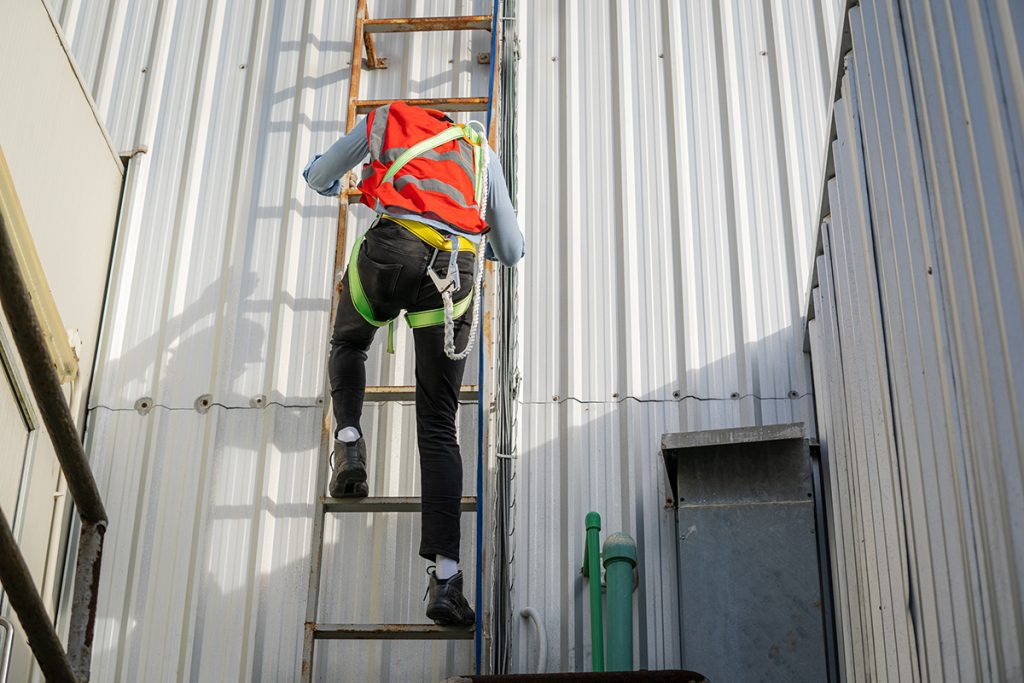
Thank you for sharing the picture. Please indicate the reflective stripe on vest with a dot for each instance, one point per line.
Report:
(442, 180)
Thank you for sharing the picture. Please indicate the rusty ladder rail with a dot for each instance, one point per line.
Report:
(56, 664)
(365, 28)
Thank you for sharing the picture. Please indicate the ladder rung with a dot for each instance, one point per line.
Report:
(480, 22)
(468, 392)
(386, 504)
(390, 632)
(442, 103)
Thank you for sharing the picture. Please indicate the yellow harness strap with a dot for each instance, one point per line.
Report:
(431, 235)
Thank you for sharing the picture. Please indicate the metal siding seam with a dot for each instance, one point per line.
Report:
(677, 179)
(735, 288)
(848, 315)
(133, 557)
(971, 360)
(247, 663)
(568, 44)
(841, 221)
(898, 591)
(834, 452)
(782, 164)
(896, 631)
(623, 90)
(185, 645)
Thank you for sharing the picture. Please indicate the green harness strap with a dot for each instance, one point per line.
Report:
(452, 133)
(415, 319)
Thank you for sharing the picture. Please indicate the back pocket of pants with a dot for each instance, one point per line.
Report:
(380, 280)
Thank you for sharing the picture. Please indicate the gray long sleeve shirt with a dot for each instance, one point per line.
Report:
(505, 240)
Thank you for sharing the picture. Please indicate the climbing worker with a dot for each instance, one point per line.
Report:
(437, 190)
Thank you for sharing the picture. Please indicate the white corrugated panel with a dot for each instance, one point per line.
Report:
(221, 286)
(918, 307)
(668, 156)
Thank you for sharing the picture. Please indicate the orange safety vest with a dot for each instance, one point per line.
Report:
(437, 184)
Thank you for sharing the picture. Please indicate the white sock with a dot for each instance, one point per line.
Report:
(347, 435)
(446, 568)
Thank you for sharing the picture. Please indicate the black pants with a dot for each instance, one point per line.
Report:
(393, 270)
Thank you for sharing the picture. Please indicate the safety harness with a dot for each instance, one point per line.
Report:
(450, 283)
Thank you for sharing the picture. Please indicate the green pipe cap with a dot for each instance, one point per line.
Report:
(593, 521)
(619, 546)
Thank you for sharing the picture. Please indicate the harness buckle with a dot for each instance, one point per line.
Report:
(451, 281)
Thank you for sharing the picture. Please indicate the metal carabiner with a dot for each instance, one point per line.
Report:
(451, 280)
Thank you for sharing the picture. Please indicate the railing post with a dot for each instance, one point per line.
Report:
(619, 563)
(592, 570)
(57, 665)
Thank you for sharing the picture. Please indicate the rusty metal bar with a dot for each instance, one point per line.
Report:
(42, 378)
(386, 504)
(357, 64)
(467, 393)
(21, 591)
(479, 22)
(390, 632)
(84, 598)
(372, 60)
(67, 445)
(326, 438)
(447, 104)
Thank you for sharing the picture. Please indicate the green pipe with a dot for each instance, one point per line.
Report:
(592, 570)
(619, 562)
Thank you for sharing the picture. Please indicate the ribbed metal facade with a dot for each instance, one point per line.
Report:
(668, 160)
(220, 289)
(917, 315)
(669, 155)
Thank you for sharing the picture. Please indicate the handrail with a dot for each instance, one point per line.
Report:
(14, 573)
(592, 570)
(5, 655)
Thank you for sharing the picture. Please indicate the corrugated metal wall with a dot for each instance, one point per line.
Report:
(917, 312)
(221, 286)
(669, 155)
(667, 161)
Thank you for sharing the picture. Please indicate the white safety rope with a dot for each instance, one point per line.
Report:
(446, 296)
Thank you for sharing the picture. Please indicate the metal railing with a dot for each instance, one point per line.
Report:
(5, 649)
(56, 664)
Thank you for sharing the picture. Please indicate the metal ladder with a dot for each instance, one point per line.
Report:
(365, 28)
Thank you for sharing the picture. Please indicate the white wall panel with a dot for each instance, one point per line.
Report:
(669, 154)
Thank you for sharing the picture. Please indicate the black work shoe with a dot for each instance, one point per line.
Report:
(348, 480)
(448, 606)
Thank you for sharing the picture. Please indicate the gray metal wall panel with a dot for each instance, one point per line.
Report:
(668, 151)
(933, 96)
(221, 286)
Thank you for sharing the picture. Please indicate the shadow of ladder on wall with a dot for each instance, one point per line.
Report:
(365, 28)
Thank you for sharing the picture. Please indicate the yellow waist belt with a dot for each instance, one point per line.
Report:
(432, 236)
